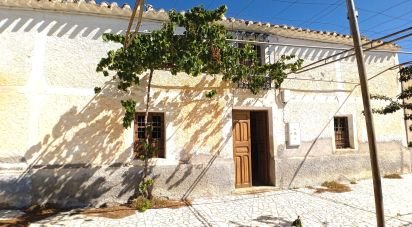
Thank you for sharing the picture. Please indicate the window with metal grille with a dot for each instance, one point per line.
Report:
(248, 62)
(257, 49)
(157, 137)
(341, 132)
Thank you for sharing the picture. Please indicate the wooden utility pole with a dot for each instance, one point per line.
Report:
(377, 187)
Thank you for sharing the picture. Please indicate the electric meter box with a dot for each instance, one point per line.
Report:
(293, 134)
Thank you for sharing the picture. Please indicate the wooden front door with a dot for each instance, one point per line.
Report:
(242, 153)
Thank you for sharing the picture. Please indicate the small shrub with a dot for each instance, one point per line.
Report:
(333, 186)
(353, 182)
(142, 204)
(392, 176)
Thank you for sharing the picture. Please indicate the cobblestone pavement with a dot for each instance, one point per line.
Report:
(275, 208)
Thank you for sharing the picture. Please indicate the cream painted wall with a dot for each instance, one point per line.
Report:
(47, 77)
(51, 115)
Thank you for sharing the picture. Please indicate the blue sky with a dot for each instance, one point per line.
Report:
(376, 17)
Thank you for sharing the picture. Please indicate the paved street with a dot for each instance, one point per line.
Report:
(275, 208)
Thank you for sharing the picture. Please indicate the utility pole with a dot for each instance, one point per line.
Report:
(377, 187)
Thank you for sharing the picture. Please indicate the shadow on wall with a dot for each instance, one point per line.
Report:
(68, 167)
(59, 24)
(83, 26)
(84, 159)
(313, 54)
(197, 124)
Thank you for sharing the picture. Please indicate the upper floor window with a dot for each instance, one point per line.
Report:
(257, 49)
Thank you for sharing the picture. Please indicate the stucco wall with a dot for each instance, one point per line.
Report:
(67, 145)
(320, 94)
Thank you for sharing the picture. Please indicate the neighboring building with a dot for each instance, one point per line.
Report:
(60, 143)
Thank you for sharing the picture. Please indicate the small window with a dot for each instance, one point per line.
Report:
(156, 120)
(341, 128)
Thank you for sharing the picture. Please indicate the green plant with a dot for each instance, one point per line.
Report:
(397, 103)
(145, 186)
(142, 204)
(202, 48)
(392, 176)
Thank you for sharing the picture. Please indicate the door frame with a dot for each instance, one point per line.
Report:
(270, 141)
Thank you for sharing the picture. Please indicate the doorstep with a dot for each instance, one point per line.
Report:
(255, 190)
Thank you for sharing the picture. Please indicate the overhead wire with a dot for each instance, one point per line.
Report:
(366, 44)
(305, 3)
(389, 8)
(303, 69)
(350, 55)
(384, 14)
(244, 8)
(379, 12)
(309, 46)
(323, 13)
(350, 82)
(286, 8)
(389, 21)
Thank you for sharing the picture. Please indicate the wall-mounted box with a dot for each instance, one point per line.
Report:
(285, 96)
(293, 134)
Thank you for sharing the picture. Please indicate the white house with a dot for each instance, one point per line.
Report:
(60, 143)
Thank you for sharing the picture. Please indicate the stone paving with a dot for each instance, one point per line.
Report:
(274, 208)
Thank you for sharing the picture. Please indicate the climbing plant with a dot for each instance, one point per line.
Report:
(201, 49)
(400, 102)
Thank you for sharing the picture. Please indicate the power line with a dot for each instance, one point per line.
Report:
(380, 13)
(286, 8)
(383, 11)
(388, 21)
(305, 3)
(244, 8)
(309, 46)
(350, 55)
(348, 50)
(391, 29)
(384, 14)
(351, 82)
(326, 11)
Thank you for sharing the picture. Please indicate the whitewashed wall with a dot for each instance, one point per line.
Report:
(56, 131)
